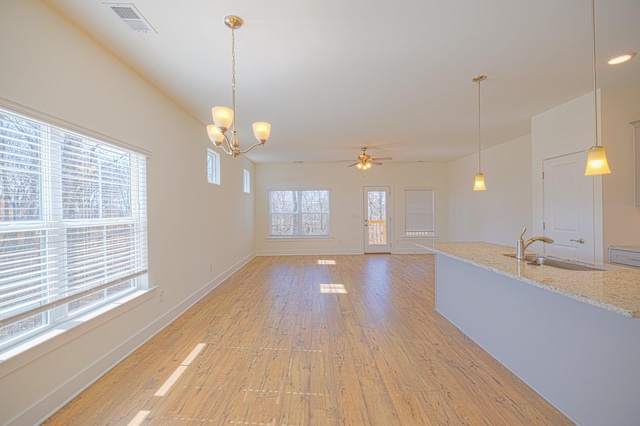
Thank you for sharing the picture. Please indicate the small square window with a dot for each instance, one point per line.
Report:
(246, 182)
(213, 167)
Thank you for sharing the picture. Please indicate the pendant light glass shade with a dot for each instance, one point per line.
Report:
(478, 185)
(597, 162)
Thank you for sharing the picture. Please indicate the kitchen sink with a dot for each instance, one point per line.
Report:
(559, 263)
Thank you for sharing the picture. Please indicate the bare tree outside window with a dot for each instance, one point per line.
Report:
(299, 213)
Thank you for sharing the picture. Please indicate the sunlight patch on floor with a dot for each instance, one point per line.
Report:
(179, 371)
(332, 288)
(139, 418)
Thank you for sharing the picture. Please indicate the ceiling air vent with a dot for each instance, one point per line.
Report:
(128, 13)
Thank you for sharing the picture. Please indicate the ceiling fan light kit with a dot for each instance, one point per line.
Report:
(224, 118)
(365, 162)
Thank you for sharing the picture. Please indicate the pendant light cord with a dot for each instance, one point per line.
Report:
(479, 161)
(595, 86)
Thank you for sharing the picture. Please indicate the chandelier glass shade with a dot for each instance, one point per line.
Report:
(224, 118)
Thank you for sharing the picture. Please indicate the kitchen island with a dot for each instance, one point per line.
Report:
(573, 336)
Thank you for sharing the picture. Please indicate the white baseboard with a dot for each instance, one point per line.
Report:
(309, 252)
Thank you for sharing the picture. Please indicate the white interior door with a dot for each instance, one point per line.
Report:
(376, 220)
(568, 207)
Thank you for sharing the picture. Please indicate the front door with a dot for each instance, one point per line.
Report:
(376, 220)
(568, 208)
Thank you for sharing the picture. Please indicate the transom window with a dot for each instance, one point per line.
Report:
(213, 167)
(246, 181)
(73, 232)
(299, 213)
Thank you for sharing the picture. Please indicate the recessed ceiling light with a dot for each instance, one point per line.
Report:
(621, 58)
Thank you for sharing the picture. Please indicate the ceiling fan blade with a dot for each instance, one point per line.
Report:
(382, 159)
(353, 164)
(375, 163)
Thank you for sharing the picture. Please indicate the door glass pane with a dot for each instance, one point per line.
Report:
(377, 217)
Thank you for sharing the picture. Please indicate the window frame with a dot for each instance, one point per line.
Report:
(246, 181)
(298, 216)
(213, 167)
(57, 168)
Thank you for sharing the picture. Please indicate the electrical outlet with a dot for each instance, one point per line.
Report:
(211, 267)
(160, 295)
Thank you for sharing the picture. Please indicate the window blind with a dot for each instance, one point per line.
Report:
(419, 212)
(73, 231)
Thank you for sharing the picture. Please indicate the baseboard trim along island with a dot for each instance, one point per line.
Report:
(572, 336)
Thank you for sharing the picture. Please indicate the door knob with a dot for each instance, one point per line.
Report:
(579, 240)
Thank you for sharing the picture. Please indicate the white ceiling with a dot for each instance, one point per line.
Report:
(334, 75)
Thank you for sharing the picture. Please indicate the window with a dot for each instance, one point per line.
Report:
(73, 232)
(246, 181)
(418, 207)
(299, 213)
(213, 167)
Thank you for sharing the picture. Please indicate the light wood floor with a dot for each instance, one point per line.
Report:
(268, 347)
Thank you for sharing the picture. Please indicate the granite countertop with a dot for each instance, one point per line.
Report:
(633, 248)
(616, 289)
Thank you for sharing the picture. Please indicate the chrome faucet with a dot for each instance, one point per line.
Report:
(522, 244)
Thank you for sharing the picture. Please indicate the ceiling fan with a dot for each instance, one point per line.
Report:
(364, 161)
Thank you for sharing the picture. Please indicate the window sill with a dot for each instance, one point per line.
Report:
(17, 356)
(299, 239)
(419, 237)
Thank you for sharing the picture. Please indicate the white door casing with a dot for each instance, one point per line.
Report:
(568, 216)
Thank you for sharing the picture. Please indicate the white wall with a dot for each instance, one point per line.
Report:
(621, 217)
(50, 66)
(346, 186)
(498, 214)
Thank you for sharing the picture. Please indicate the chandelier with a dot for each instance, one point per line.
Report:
(224, 118)
(478, 184)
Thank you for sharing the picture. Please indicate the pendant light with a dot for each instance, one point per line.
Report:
(596, 156)
(479, 185)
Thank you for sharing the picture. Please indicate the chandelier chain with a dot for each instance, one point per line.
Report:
(233, 75)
